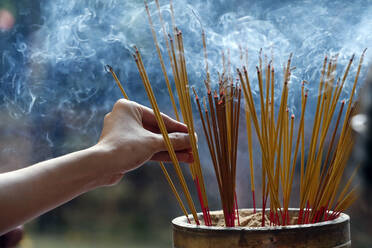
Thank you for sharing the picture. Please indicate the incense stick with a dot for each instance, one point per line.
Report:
(166, 174)
(164, 132)
(161, 61)
(280, 135)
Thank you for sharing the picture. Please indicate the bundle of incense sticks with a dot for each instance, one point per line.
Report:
(221, 131)
(321, 173)
(280, 136)
(176, 56)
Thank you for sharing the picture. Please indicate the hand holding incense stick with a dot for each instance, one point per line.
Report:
(166, 174)
(140, 135)
(127, 141)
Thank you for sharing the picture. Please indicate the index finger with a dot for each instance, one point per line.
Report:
(149, 122)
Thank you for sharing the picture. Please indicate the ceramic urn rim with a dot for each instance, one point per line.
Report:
(181, 222)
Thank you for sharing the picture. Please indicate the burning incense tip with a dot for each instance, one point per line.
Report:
(196, 95)
(108, 68)
(275, 132)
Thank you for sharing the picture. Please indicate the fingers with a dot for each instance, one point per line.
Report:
(125, 108)
(179, 141)
(184, 156)
(150, 123)
(148, 116)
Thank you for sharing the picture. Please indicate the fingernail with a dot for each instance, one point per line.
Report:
(186, 136)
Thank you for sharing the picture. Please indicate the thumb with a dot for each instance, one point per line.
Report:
(179, 141)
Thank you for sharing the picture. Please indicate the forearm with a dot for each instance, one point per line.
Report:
(32, 191)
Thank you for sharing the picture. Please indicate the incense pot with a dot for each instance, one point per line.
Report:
(333, 233)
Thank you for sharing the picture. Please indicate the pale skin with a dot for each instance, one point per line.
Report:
(129, 138)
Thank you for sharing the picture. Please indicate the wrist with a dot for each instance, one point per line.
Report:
(102, 165)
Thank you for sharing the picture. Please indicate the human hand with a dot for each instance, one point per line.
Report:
(131, 136)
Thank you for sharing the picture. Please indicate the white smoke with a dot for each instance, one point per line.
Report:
(52, 76)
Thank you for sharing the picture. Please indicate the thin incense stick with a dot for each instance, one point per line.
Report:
(164, 132)
(161, 61)
(109, 69)
(280, 136)
(166, 174)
